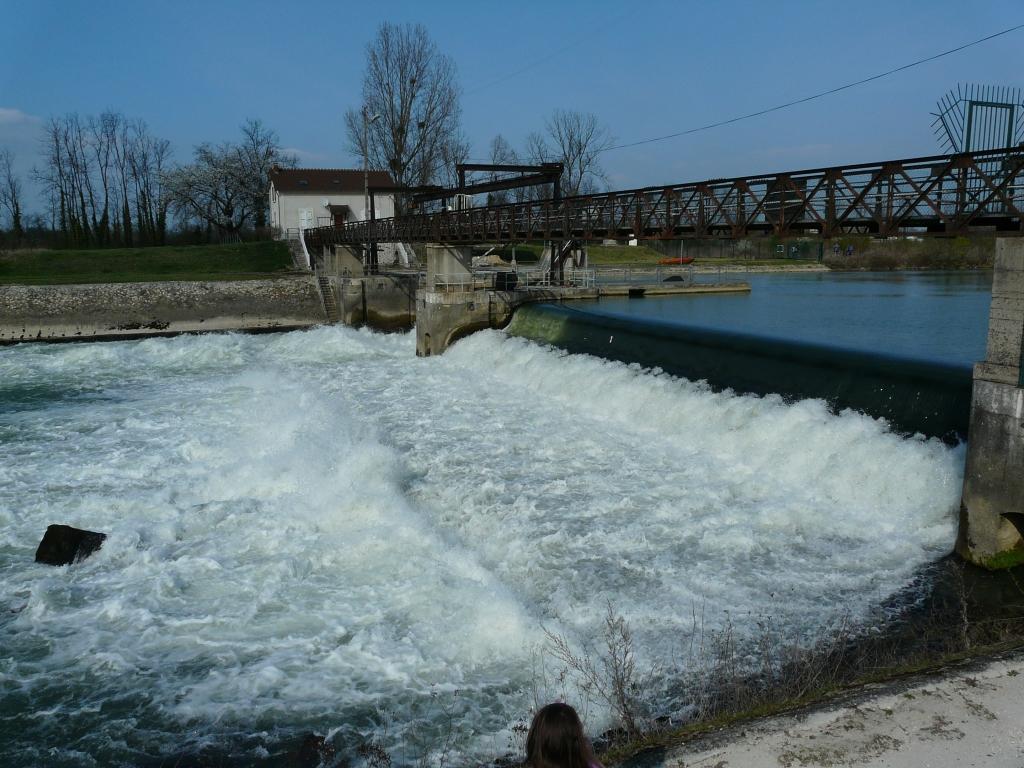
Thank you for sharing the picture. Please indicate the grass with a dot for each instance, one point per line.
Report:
(237, 261)
(641, 256)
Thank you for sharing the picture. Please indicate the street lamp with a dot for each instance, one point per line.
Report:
(367, 120)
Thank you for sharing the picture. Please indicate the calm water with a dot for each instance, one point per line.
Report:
(319, 531)
(940, 316)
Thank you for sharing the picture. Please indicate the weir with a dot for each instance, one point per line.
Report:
(912, 395)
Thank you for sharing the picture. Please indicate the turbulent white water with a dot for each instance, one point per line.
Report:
(306, 529)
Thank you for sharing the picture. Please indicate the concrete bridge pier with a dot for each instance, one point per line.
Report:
(449, 308)
(992, 510)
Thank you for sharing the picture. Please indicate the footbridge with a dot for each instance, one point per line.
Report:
(937, 195)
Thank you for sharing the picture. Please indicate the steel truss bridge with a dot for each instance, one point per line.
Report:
(939, 195)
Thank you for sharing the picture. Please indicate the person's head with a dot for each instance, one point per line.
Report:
(556, 739)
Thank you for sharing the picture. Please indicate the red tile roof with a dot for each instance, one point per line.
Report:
(320, 180)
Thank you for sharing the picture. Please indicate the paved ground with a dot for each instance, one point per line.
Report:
(973, 716)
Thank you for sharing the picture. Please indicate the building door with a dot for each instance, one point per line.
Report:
(305, 218)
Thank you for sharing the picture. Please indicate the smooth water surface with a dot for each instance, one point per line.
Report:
(318, 531)
(936, 316)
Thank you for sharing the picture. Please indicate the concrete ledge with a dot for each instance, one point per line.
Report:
(113, 311)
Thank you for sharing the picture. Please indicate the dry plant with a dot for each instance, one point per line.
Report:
(608, 672)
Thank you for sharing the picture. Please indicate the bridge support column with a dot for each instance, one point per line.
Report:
(992, 510)
(449, 307)
(447, 263)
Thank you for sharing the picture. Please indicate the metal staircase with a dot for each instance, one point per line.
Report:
(328, 300)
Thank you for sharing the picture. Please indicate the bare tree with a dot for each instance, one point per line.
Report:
(10, 193)
(412, 86)
(453, 152)
(576, 140)
(150, 159)
(102, 180)
(502, 153)
(258, 152)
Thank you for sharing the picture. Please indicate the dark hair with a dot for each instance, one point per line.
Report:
(556, 739)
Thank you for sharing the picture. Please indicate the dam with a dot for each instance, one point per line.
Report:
(362, 546)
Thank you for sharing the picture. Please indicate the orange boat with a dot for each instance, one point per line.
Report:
(678, 260)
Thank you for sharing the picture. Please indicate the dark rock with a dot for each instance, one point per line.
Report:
(314, 751)
(63, 545)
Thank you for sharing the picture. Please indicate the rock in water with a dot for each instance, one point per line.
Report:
(63, 545)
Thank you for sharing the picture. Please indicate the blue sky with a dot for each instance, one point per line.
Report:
(196, 70)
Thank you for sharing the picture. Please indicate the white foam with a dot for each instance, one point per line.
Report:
(307, 527)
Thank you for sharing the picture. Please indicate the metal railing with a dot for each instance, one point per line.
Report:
(644, 274)
(512, 280)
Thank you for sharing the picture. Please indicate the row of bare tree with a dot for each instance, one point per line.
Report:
(104, 180)
(109, 182)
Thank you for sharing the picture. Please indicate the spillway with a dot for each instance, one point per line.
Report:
(308, 530)
(926, 396)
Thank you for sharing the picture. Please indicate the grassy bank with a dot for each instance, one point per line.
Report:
(875, 254)
(868, 253)
(238, 261)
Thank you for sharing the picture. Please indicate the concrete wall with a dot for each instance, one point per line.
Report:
(130, 310)
(992, 511)
(381, 302)
(285, 207)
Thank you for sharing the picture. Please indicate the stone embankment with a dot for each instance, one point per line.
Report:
(111, 311)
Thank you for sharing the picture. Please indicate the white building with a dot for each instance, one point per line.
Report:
(302, 198)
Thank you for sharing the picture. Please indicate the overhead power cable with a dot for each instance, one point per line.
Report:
(812, 97)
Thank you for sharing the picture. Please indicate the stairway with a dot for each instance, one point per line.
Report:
(327, 297)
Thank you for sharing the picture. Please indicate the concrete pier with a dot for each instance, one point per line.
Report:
(992, 509)
(384, 302)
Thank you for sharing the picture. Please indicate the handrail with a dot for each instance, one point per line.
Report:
(305, 251)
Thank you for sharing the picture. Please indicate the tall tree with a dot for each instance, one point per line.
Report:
(408, 122)
(102, 179)
(10, 193)
(575, 139)
(258, 152)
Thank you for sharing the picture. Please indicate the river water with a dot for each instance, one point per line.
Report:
(934, 316)
(317, 531)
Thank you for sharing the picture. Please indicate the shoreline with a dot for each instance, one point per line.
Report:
(965, 711)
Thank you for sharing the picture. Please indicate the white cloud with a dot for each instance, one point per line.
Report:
(12, 117)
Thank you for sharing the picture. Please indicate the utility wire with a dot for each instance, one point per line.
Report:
(544, 59)
(804, 100)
